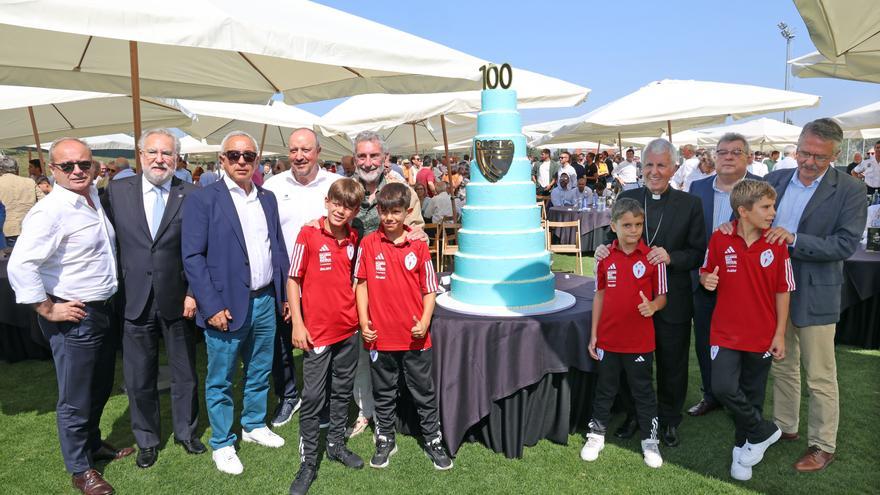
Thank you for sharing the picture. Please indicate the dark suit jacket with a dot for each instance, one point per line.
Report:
(147, 264)
(683, 235)
(215, 254)
(828, 233)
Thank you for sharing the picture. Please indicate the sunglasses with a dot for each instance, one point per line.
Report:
(234, 155)
(68, 167)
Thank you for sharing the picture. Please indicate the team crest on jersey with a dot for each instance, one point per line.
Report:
(639, 269)
(612, 275)
(600, 353)
(380, 266)
(713, 351)
(766, 258)
(350, 251)
(410, 261)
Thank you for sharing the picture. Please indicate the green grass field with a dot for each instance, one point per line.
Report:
(30, 460)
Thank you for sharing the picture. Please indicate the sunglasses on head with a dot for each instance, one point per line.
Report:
(67, 167)
(235, 155)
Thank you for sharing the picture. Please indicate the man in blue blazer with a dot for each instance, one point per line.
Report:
(731, 165)
(236, 264)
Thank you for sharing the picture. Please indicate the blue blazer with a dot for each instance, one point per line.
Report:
(215, 254)
(703, 190)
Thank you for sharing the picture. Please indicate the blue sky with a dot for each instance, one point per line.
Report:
(615, 47)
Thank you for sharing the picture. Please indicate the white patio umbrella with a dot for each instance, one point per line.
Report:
(759, 133)
(675, 105)
(849, 28)
(865, 117)
(679, 138)
(35, 115)
(270, 125)
(817, 65)
(191, 145)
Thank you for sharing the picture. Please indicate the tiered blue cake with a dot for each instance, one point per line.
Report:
(502, 260)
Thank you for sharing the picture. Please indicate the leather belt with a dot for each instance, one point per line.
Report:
(261, 292)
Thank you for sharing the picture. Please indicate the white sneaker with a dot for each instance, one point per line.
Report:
(737, 470)
(262, 436)
(594, 445)
(651, 452)
(227, 460)
(752, 454)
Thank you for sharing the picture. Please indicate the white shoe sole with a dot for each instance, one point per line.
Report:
(387, 461)
(245, 438)
(439, 468)
(749, 461)
(590, 458)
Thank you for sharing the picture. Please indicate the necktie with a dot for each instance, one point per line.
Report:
(158, 211)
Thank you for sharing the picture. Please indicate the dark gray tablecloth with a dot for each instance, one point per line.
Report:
(594, 224)
(479, 361)
(860, 301)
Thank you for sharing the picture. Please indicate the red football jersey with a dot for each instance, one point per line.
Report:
(324, 267)
(749, 277)
(398, 276)
(621, 327)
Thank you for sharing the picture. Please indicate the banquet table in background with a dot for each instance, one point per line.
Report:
(510, 382)
(859, 323)
(20, 336)
(594, 225)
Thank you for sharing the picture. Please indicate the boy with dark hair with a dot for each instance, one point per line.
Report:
(748, 272)
(396, 286)
(320, 271)
(623, 332)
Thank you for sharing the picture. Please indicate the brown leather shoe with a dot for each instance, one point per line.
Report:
(788, 437)
(92, 483)
(702, 408)
(815, 459)
(108, 452)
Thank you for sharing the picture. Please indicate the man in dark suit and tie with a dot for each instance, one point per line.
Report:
(675, 231)
(145, 209)
(236, 263)
(732, 162)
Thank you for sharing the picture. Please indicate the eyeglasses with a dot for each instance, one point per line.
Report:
(806, 155)
(68, 167)
(154, 153)
(235, 155)
(736, 153)
(417, 159)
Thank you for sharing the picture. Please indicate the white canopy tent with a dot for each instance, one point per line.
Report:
(761, 134)
(817, 65)
(865, 117)
(270, 125)
(679, 138)
(849, 29)
(191, 145)
(423, 136)
(675, 105)
(38, 115)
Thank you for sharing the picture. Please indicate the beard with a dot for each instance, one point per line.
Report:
(157, 178)
(369, 177)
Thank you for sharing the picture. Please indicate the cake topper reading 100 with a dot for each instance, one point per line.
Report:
(494, 77)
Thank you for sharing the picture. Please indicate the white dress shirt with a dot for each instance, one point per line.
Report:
(256, 233)
(758, 168)
(787, 162)
(150, 198)
(298, 203)
(626, 172)
(696, 175)
(66, 249)
(683, 171)
(871, 170)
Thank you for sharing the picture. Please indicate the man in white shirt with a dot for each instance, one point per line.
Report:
(544, 173)
(565, 166)
(788, 161)
(236, 264)
(691, 161)
(300, 192)
(756, 165)
(706, 168)
(626, 172)
(64, 265)
(869, 170)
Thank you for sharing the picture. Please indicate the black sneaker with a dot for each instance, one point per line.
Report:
(437, 453)
(284, 411)
(304, 479)
(347, 458)
(385, 448)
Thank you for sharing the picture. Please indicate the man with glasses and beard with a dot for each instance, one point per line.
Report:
(64, 265)
(236, 263)
(146, 211)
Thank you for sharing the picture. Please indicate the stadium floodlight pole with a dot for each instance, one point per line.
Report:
(787, 33)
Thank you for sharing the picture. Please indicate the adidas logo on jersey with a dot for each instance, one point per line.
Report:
(729, 250)
(640, 359)
(324, 248)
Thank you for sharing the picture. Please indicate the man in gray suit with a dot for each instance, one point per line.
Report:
(146, 211)
(820, 215)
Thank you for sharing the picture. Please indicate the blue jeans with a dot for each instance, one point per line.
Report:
(255, 341)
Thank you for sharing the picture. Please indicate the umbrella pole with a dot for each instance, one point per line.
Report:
(135, 99)
(669, 130)
(446, 155)
(262, 143)
(619, 144)
(36, 136)
(415, 140)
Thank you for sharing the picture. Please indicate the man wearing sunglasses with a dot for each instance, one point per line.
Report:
(64, 265)
(236, 263)
(145, 210)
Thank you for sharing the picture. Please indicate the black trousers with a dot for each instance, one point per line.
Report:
(85, 358)
(673, 349)
(283, 369)
(140, 362)
(704, 305)
(739, 381)
(637, 370)
(415, 366)
(332, 365)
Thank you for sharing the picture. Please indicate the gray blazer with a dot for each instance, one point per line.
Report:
(829, 232)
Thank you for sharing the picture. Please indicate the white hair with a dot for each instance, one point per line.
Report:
(789, 150)
(371, 136)
(163, 132)
(237, 134)
(661, 146)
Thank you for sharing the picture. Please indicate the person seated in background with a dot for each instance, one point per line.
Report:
(585, 194)
(424, 200)
(626, 172)
(43, 184)
(440, 206)
(563, 194)
(121, 169)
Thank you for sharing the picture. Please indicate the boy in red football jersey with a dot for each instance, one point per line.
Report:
(325, 329)
(623, 332)
(754, 280)
(396, 286)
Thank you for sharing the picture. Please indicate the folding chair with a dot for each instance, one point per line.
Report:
(566, 248)
(449, 241)
(433, 231)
